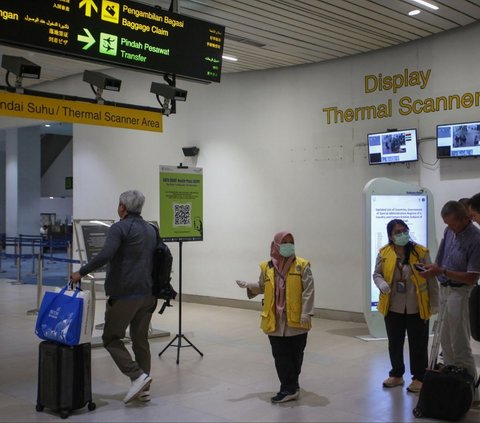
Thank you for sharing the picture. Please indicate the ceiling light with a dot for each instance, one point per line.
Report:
(426, 4)
(413, 12)
(230, 58)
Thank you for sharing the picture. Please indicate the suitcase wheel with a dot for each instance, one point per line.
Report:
(417, 412)
(64, 414)
(39, 407)
(92, 406)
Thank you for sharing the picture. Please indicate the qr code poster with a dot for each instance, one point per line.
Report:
(181, 203)
(182, 214)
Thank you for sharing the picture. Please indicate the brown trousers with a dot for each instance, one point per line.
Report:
(119, 314)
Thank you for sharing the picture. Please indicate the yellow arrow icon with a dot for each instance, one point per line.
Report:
(89, 5)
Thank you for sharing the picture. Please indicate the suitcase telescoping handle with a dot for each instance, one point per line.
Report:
(437, 333)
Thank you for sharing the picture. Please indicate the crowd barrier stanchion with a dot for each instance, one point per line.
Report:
(69, 257)
(33, 256)
(51, 248)
(3, 242)
(18, 253)
(39, 285)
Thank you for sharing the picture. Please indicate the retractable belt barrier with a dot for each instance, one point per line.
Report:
(38, 244)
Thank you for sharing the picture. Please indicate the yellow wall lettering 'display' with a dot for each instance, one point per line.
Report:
(395, 82)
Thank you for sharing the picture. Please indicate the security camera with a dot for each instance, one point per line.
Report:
(190, 151)
(21, 67)
(168, 92)
(102, 81)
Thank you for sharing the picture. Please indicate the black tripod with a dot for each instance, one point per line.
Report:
(180, 335)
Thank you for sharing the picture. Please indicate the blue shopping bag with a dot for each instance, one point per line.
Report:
(60, 317)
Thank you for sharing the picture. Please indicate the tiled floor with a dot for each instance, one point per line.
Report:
(340, 381)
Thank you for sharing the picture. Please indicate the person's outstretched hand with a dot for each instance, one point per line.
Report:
(242, 284)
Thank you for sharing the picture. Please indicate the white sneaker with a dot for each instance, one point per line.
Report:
(144, 396)
(138, 385)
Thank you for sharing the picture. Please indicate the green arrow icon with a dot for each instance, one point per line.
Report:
(87, 39)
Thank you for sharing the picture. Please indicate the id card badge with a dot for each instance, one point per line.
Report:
(401, 287)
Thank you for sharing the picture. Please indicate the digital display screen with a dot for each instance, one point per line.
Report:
(122, 33)
(392, 147)
(412, 209)
(458, 140)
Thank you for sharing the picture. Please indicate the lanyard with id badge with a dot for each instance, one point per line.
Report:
(401, 283)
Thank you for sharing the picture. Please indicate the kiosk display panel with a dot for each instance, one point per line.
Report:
(386, 199)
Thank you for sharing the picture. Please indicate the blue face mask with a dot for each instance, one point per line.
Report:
(286, 250)
(401, 239)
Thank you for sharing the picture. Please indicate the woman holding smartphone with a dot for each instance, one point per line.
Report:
(407, 300)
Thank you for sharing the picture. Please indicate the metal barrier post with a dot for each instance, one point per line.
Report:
(39, 285)
(2, 251)
(18, 253)
(51, 247)
(69, 263)
(33, 256)
(3, 242)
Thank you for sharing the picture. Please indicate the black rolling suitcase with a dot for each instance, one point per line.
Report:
(474, 307)
(64, 377)
(447, 391)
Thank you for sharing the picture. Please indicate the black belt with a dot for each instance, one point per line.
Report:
(453, 284)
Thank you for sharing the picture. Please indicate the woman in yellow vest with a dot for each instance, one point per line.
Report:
(407, 300)
(287, 284)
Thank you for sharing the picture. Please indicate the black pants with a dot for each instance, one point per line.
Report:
(288, 355)
(417, 331)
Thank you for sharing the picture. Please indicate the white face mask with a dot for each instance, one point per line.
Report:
(286, 250)
(401, 239)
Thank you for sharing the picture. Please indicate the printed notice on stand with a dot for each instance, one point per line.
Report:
(181, 203)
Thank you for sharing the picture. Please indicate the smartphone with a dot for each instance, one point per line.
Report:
(419, 267)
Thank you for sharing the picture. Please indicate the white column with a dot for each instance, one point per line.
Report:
(22, 181)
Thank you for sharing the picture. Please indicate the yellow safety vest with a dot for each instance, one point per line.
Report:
(389, 259)
(294, 289)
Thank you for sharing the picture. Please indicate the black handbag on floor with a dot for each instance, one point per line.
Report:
(447, 393)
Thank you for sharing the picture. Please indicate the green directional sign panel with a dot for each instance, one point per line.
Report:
(122, 33)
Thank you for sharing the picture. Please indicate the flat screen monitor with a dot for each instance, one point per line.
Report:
(392, 147)
(458, 140)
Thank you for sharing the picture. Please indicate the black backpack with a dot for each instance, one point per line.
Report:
(161, 274)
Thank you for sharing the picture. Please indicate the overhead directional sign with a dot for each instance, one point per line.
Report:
(121, 32)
